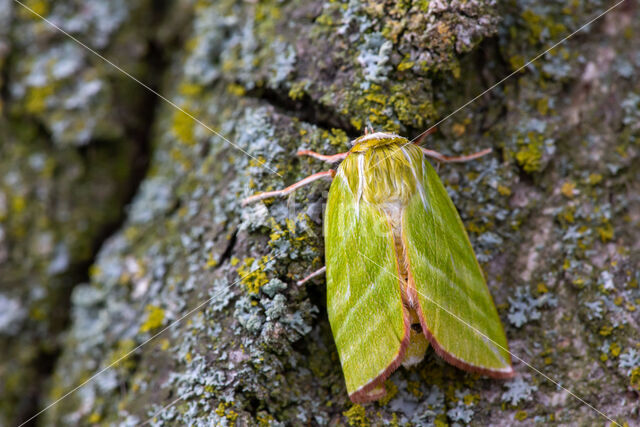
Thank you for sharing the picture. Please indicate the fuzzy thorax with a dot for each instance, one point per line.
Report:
(383, 169)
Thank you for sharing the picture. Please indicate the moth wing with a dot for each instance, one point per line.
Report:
(456, 311)
(369, 323)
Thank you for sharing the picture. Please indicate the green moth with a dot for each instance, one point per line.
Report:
(401, 272)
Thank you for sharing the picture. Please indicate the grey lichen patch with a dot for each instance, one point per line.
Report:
(56, 203)
(524, 308)
(518, 391)
(55, 81)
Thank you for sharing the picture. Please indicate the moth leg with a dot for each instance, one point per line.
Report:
(312, 275)
(376, 393)
(290, 189)
(455, 159)
(334, 158)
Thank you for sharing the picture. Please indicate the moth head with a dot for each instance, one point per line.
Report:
(375, 140)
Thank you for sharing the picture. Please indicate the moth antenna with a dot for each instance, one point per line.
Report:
(420, 139)
(455, 159)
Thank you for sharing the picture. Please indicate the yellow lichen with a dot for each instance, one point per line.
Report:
(530, 154)
(236, 89)
(504, 190)
(542, 26)
(458, 129)
(220, 410)
(297, 90)
(605, 232)
(471, 399)
(606, 330)
(40, 7)
(413, 387)
(121, 352)
(253, 277)
(568, 214)
(568, 189)
(211, 261)
(36, 100)
(155, 317)
(265, 420)
(356, 122)
(594, 178)
(18, 203)
(94, 418)
(405, 65)
(521, 415)
(635, 378)
(516, 61)
(356, 416)
(190, 89)
(183, 127)
(338, 138)
(392, 391)
(542, 105)
(615, 349)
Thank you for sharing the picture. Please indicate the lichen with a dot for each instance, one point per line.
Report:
(518, 391)
(154, 319)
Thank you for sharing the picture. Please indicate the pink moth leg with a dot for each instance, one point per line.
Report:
(312, 275)
(335, 158)
(290, 189)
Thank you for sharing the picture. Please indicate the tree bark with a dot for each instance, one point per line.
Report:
(190, 303)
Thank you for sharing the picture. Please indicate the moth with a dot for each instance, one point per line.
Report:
(401, 272)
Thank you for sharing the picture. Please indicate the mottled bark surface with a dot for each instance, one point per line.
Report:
(95, 259)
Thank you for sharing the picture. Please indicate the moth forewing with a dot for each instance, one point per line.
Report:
(365, 307)
(456, 311)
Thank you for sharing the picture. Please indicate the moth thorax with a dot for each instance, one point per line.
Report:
(389, 174)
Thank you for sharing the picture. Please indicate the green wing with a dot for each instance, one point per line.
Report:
(369, 323)
(455, 309)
